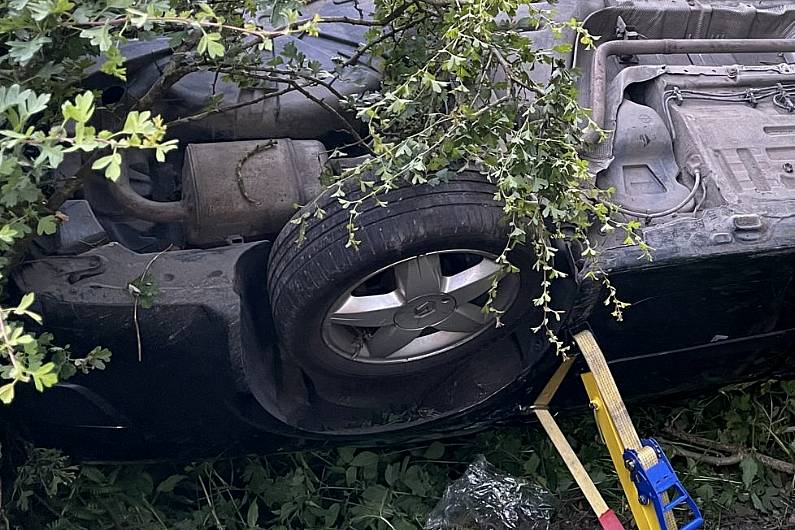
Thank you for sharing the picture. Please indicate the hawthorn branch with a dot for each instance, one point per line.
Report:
(210, 112)
(354, 59)
(509, 74)
(394, 15)
(302, 88)
(260, 34)
(312, 80)
(176, 69)
(322, 103)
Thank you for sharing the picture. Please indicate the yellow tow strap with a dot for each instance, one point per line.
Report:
(617, 430)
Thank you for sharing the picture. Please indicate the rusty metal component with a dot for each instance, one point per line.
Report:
(235, 190)
(248, 189)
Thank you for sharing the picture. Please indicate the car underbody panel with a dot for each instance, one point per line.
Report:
(700, 148)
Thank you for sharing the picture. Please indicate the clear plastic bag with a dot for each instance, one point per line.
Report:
(485, 499)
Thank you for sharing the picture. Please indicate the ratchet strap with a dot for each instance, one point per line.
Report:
(646, 475)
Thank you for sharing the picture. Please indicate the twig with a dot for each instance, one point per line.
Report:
(350, 20)
(173, 72)
(702, 442)
(204, 114)
(239, 169)
(736, 453)
(136, 297)
(6, 341)
(508, 69)
(351, 129)
(210, 504)
(353, 59)
(181, 21)
(313, 80)
(719, 461)
(320, 101)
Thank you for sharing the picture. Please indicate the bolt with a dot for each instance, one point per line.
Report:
(629, 464)
(788, 167)
(643, 500)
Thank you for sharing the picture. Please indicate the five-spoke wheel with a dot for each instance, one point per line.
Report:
(418, 307)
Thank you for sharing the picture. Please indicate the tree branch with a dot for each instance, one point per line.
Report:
(351, 129)
(204, 114)
(737, 453)
(175, 70)
(353, 59)
(235, 70)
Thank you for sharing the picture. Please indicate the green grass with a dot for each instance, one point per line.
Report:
(395, 488)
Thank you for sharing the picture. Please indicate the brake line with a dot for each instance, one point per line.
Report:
(669, 211)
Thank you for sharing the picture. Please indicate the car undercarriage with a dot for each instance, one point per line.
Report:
(252, 339)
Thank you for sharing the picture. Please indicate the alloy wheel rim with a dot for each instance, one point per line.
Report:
(418, 307)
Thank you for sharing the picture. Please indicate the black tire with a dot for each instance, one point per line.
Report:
(305, 280)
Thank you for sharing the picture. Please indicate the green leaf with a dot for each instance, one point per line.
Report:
(23, 51)
(210, 44)
(757, 502)
(252, 516)
(705, 491)
(350, 476)
(8, 234)
(99, 37)
(134, 121)
(81, 110)
(375, 494)
(365, 459)
(168, 484)
(46, 225)
(750, 469)
(532, 463)
(332, 514)
(114, 64)
(111, 164)
(563, 48)
(13, 134)
(392, 473)
(33, 104)
(417, 481)
(7, 393)
(25, 303)
(52, 154)
(206, 43)
(137, 18)
(45, 377)
(206, 9)
(24, 339)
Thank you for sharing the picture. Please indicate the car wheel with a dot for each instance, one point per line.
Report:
(411, 297)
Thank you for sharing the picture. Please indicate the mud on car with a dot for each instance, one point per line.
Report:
(252, 339)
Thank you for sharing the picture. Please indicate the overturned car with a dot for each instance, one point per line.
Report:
(252, 339)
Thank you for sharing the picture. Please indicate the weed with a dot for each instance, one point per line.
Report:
(395, 488)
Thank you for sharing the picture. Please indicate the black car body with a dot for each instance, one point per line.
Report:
(707, 127)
